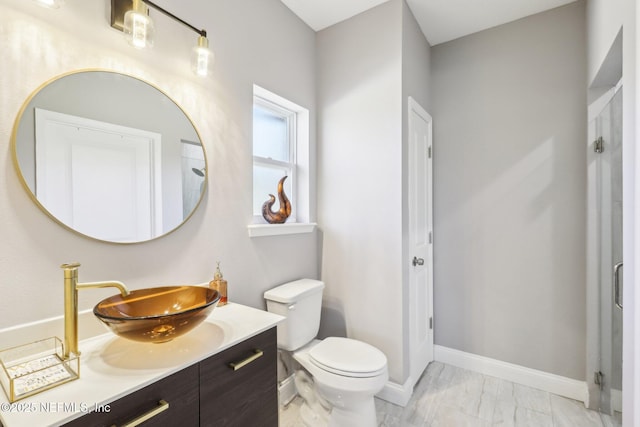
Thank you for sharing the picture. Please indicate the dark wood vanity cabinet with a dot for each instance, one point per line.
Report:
(179, 390)
(246, 397)
(208, 393)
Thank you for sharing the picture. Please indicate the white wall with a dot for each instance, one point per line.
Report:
(255, 42)
(360, 177)
(509, 111)
(604, 19)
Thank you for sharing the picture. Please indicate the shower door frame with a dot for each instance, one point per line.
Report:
(594, 272)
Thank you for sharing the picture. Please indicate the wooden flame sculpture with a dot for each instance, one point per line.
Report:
(285, 206)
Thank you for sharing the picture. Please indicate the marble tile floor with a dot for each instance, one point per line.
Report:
(447, 396)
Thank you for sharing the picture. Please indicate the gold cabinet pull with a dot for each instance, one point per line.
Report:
(163, 405)
(257, 353)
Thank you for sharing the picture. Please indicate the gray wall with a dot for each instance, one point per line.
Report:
(509, 110)
(367, 67)
(416, 70)
(360, 178)
(416, 64)
(259, 42)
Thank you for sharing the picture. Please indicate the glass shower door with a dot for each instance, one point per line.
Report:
(609, 196)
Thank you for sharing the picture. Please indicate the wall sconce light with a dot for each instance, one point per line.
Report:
(51, 4)
(138, 26)
(132, 17)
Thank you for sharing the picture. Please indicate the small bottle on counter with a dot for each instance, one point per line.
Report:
(220, 285)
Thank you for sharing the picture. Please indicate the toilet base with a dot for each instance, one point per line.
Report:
(310, 418)
(315, 411)
(362, 416)
(318, 412)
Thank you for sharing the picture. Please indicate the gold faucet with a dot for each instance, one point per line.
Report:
(71, 287)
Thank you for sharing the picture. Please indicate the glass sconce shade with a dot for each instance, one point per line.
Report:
(51, 4)
(138, 26)
(201, 57)
(132, 17)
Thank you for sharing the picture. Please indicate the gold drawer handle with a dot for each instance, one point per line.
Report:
(163, 405)
(257, 353)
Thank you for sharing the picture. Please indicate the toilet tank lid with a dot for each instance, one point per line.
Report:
(294, 291)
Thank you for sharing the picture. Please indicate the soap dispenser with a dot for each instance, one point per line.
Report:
(220, 285)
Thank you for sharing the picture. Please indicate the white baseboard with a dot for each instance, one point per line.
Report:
(286, 390)
(541, 380)
(398, 394)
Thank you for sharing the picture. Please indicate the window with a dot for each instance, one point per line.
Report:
(280, 148)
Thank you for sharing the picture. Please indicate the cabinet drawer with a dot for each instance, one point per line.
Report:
(179, 390)
(244, 397)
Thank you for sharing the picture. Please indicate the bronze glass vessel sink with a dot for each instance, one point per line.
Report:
(157, 315)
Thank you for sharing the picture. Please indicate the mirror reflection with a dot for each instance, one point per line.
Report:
(110, 156)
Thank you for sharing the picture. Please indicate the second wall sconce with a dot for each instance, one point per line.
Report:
(132, 18)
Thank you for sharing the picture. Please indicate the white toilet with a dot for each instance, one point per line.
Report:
(345, 373)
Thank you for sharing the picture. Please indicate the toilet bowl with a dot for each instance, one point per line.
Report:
(347, 385)
(339, 376)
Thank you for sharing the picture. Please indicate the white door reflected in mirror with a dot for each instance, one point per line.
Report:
(100, 179)
(109, 156)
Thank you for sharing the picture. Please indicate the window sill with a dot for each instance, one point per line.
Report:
(259, 230)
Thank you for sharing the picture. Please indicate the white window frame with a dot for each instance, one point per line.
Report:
(298, 131)
(290, 164)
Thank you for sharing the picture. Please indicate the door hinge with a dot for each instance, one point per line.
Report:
(598, 145)
(429, 151)
(430, 237)
(598, 379)
(431, 323)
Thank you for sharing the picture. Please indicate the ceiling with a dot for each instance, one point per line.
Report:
(440, 20)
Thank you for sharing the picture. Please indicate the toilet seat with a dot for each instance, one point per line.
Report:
(348, 357)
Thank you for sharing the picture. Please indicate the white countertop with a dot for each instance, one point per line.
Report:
(111, 367)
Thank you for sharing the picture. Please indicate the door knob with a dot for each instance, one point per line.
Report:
(417, 261)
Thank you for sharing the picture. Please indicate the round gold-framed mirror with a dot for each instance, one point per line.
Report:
(109, 156)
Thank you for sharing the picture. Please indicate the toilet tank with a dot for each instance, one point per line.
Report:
(300, 302)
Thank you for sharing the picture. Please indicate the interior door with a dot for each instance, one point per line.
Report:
(89, 171)
(420, 239)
